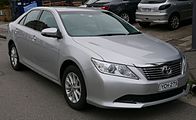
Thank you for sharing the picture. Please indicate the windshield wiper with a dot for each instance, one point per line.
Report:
(133, 33)
(112, 34)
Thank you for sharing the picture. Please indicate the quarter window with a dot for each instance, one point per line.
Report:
(22, 21)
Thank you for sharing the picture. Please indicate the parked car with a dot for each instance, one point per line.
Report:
(97, 58)
(124, 8)
(170, 12)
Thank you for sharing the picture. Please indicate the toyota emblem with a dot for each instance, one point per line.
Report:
(166, 70)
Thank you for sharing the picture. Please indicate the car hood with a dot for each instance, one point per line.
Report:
(135, 50)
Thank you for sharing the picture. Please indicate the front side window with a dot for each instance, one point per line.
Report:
(31, 19)
(47, 20)
(95, 23)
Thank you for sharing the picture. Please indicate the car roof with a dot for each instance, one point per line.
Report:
(63, 9)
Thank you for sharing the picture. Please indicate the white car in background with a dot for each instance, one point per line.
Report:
(170, 12)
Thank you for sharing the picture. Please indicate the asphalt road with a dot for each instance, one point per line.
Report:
(26, 95)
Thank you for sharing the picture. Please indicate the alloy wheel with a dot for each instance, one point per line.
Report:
(125, 16)
(175, 22)
(14, 56)
(73, 87)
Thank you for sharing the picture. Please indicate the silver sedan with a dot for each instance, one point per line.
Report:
(97, 57)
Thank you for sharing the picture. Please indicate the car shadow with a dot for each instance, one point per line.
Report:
(43, 81)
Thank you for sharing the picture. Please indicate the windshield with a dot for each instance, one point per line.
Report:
(95, 23)
(153, 1)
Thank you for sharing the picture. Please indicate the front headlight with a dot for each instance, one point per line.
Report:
(114, 69)
(184, 64)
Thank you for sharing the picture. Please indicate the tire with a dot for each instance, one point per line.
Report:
(174, 22)
(74, 90)
(144, 24)
(125, 16)
(14, 58)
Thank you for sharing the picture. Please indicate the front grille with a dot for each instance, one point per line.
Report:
(156, 73)
(151, 97)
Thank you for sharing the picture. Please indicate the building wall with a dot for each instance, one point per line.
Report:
(5, 14)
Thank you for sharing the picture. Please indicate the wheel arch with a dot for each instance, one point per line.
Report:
(67, 63)
(175, 13)
(11, 42)
(131, 15)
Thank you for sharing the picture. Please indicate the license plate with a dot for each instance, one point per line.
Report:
(146, 9)
(168, 85)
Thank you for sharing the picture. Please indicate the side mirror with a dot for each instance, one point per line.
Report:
(51, 32)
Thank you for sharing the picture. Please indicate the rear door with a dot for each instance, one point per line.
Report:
(185, 8)
(130, 6)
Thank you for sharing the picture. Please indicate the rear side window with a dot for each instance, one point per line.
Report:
(31, 19)
(47, 20)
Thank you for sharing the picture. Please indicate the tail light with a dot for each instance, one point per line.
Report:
(105, 7)
(163, 7)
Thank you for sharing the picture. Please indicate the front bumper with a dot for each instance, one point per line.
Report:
(153, 17)
(105, 90)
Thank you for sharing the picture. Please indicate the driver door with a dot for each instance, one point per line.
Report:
(47, 48)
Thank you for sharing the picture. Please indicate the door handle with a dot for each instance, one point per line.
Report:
(16, 31)
(33, 38)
